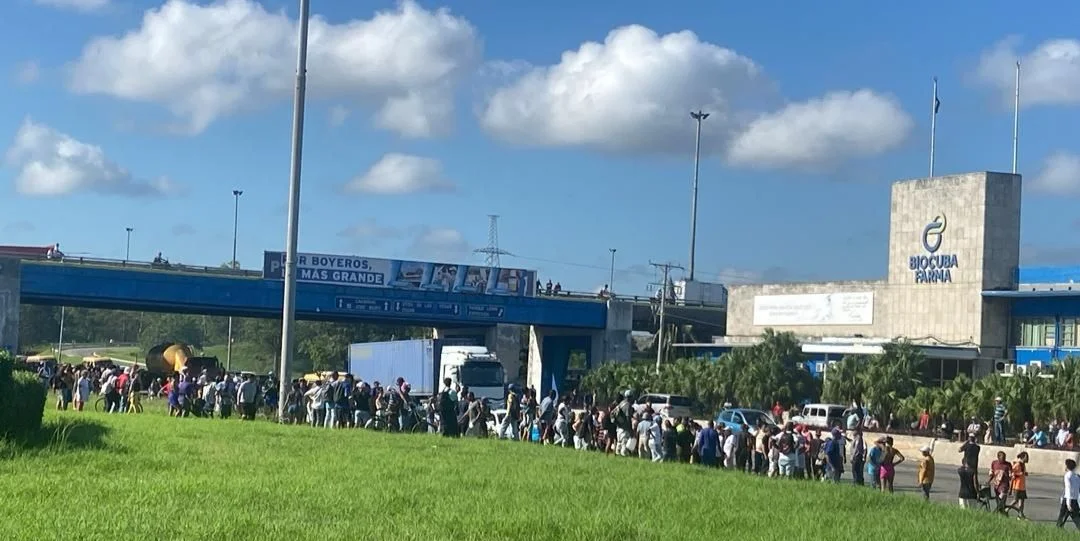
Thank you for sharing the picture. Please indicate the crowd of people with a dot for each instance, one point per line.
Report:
(789, 451)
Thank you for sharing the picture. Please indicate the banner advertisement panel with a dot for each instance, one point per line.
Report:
(347, 270)
(855, 308)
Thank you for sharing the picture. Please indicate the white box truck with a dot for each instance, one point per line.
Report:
(424, 363)
(693, 292)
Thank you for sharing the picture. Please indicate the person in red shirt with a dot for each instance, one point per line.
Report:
(777, 411)
(924, 420)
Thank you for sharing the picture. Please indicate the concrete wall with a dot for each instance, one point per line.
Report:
(740, 318)
(505, 341)
(9, 304)
(981, 208)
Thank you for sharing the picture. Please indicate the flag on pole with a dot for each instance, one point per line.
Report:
(554, 386)
(937, 104)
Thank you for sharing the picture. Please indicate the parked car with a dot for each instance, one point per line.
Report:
(821, 415)
(667, 405)
(735, 417)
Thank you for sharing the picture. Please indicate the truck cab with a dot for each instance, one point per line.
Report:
(474, 367)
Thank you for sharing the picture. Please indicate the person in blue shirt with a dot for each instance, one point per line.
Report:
(708, 441)
(1040, 438)
(873, 463)
(834, 455)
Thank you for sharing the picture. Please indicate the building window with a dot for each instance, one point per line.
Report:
(1036, 332)
(1068, 332)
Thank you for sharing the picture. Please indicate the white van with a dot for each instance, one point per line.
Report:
(821, 415)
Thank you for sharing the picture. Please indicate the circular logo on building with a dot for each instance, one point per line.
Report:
(932, 233)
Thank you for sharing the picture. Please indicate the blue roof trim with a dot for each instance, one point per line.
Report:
(1032, 294)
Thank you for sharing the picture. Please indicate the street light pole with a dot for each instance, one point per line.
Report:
(611, 278)
(234, 265)
(127, 249)
(699, 117)
(288, 304)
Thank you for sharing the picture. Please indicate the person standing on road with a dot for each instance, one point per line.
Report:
(970, 449)
(1019, 482)
(925, 475)
(890, 459)
(969, 485)
(858, 456)
(873, 463)
(1069, 496)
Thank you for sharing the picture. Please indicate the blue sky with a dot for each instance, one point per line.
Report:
(421, 122)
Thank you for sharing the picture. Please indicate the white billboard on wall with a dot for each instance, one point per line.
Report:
(814, 309)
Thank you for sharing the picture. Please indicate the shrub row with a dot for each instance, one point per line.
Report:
(22, 400)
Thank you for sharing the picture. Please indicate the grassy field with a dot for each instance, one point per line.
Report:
(94, 476)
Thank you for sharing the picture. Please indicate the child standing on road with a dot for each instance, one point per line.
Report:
(925, 477)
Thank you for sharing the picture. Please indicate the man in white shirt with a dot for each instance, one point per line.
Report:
(1069, 497)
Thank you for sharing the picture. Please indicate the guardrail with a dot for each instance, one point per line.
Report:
(151, 266)
(146, 266)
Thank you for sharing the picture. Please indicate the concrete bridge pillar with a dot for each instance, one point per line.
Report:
(556, 353)
(10, 280)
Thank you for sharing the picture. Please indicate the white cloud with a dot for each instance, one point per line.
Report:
(338, 115)
(399, 174)
(51, 163)
(78, 5)
(822, 132)
(203, 62)
(1060, 175)
(633, 93)
(1050, 73)
(439, 244)
(27, 73)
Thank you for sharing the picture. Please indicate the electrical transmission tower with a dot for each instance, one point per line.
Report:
(665, 289)
(492, 250)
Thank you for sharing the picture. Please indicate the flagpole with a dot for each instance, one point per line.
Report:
(1016, 118)
(933, 126)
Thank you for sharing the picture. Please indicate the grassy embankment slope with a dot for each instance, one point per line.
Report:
(151, 477)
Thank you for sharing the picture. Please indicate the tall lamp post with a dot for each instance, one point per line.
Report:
(699, 117)
(127, 246)
(611, 277)
(234, 265)
(288, 306)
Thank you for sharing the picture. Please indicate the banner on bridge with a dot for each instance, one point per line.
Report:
(348, 270)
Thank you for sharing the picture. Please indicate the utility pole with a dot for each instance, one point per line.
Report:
(60, 340)
(611, 278)
(127, 247)
(234, 265)
(699, 117)
(288, 303)
(666, 267)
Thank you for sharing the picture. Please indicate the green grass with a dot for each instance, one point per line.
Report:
(95, 476)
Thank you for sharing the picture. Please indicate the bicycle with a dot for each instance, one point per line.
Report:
(992, 504)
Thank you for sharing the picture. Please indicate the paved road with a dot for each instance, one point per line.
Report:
(83, 351)
(1043, 490)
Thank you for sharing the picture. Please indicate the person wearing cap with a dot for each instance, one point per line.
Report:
(970, 450)
(925, 476)
(656, 438)
(1000, 413)
(873, 462)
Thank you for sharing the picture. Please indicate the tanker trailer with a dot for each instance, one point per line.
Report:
(173, 358)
